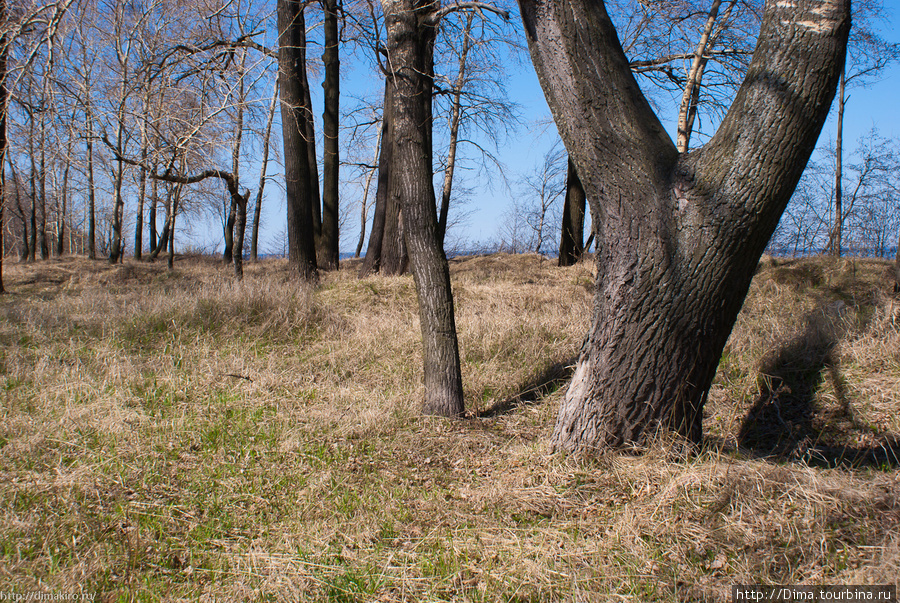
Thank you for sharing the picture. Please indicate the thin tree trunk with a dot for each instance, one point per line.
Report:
(240, 227)
(151, 220)
(228, 255)
(694, 78)
(410, 43)
(254, 238)
(42, 188)
(32, 178)
(61, 228)
(571, 240)
(897, 270)
(163, 242)
(173, 213)
(4, 100)
(115, 251)
(92, 213)
(309, 133)
(372, 262)
(837, 233)
(295, 130)
(365, 198)
(228, 231)
(455, 115)
(330, 256)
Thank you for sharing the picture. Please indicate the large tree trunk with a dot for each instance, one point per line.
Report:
(410, 44)
(295, 114)
(571, 240)
(679, 235)
(330, 254)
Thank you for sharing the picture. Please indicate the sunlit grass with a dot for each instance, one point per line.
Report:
(183, 437)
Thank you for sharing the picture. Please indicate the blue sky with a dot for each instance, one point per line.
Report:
(872, 107)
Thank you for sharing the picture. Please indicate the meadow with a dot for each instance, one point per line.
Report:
(170, 436)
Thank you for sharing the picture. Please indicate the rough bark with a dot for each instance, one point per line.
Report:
(295, 128)
(330, 254)
(386, 252)
(571, 240)
(410, 44)
(679, 235)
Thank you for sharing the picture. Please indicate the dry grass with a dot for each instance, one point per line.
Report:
(182, 437)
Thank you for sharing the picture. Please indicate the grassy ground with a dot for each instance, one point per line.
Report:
(182, 437)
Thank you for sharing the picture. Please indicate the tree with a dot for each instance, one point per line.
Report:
(4, 53)
(571, 240)
(257, 208)
(295, 116)
(410, 44)
(542, 188)
(867, 57)
(679, 234)
(330, 245)
(386, 252)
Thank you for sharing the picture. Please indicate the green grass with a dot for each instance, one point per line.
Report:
(180, 437)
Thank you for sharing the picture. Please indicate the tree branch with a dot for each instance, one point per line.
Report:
(436, 16)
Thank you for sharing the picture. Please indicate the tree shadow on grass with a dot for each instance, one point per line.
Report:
(786, 422)
(533, 391)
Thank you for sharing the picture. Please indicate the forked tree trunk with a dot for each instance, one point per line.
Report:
(679, 235)
(295, 128)
(410, 44)
(571, 240)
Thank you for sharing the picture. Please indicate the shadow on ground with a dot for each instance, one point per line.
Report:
(786, 422)
(544, 383)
